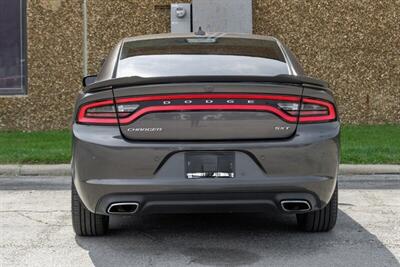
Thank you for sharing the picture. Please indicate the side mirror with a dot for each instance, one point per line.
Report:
(88, 80)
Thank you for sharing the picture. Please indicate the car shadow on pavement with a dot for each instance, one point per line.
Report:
(233, 240)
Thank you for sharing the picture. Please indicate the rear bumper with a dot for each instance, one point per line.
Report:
(109, 169)
(211, 195)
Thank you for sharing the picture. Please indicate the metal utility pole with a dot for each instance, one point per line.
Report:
(84, 42)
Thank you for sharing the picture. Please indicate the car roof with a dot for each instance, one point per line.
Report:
(194, 35)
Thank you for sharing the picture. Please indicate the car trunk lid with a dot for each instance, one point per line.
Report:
(207, 111)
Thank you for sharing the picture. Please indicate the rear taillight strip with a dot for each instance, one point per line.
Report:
(290, 116)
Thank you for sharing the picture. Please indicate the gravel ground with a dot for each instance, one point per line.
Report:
(35, 230)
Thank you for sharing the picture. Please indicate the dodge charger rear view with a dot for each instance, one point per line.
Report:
(204, 123)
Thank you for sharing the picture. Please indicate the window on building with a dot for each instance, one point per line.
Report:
(12, 47)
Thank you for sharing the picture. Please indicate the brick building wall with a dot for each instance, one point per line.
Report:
(352, 44)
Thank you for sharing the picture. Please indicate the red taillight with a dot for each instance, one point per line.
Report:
(311, 110)
(131, 108)
(316, 110)
(101, 112)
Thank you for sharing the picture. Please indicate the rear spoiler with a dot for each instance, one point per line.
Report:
(135, 81)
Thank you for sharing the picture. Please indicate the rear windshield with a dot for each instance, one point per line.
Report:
(201, 57)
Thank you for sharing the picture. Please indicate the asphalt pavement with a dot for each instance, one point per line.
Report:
(35, 230)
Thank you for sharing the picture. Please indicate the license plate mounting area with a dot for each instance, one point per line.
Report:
(210, 164)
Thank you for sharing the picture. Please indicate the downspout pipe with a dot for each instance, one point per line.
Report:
(85, 41)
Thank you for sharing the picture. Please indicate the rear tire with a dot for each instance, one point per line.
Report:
(84, 222)
(321, 220)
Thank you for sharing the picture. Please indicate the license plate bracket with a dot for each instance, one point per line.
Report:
(210, 164)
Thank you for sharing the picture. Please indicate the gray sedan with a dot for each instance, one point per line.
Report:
(204, 123)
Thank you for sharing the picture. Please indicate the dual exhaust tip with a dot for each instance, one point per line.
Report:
(123, 208)
(295, 205)
(132, 207)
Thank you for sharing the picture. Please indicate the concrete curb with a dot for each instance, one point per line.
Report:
(65, 169)
(369, 169)
(36, 170)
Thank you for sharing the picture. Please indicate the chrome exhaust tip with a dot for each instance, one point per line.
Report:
(123, 208)
(295, 205)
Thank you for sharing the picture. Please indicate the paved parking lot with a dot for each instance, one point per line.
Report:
(36, 230)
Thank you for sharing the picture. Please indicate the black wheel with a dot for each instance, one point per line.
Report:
(321, 220)
(84, 222)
